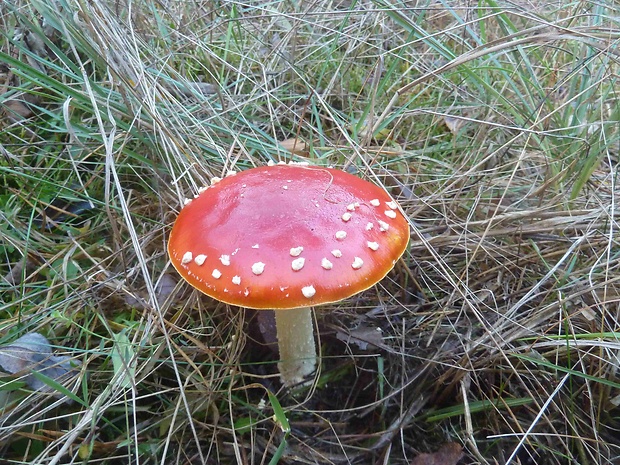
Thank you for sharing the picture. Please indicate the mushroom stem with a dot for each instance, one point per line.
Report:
(296, 344)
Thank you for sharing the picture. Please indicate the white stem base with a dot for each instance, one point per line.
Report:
(296, 345)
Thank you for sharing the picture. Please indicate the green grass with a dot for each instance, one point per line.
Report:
(495, 125)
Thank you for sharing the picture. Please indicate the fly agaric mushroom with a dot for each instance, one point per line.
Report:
(287, 238)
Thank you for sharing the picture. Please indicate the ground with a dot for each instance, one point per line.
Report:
(494, 125)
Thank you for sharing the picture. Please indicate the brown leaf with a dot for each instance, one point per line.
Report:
(362, 336)
(14, 276)
(32, 353)
(448, 454)
(165, 287)
(163, 290)
(453, 124)
(17, 110)
(17, 107)
(295, 146)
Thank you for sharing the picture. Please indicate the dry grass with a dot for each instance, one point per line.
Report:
(496, 128)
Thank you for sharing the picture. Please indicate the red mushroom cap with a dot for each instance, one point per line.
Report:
(287, 236)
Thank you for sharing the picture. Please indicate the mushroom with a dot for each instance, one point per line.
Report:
(287, 238)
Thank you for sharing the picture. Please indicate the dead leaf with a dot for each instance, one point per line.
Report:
(163, 290)
(17, 110)
(267, 327)
(17, 107)
(14, 276)
(295, 146)
(62, 211)
(165, 287)
(362, 336)
(453, 124)
(448, 454)
(32, 353)
(192, 89)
